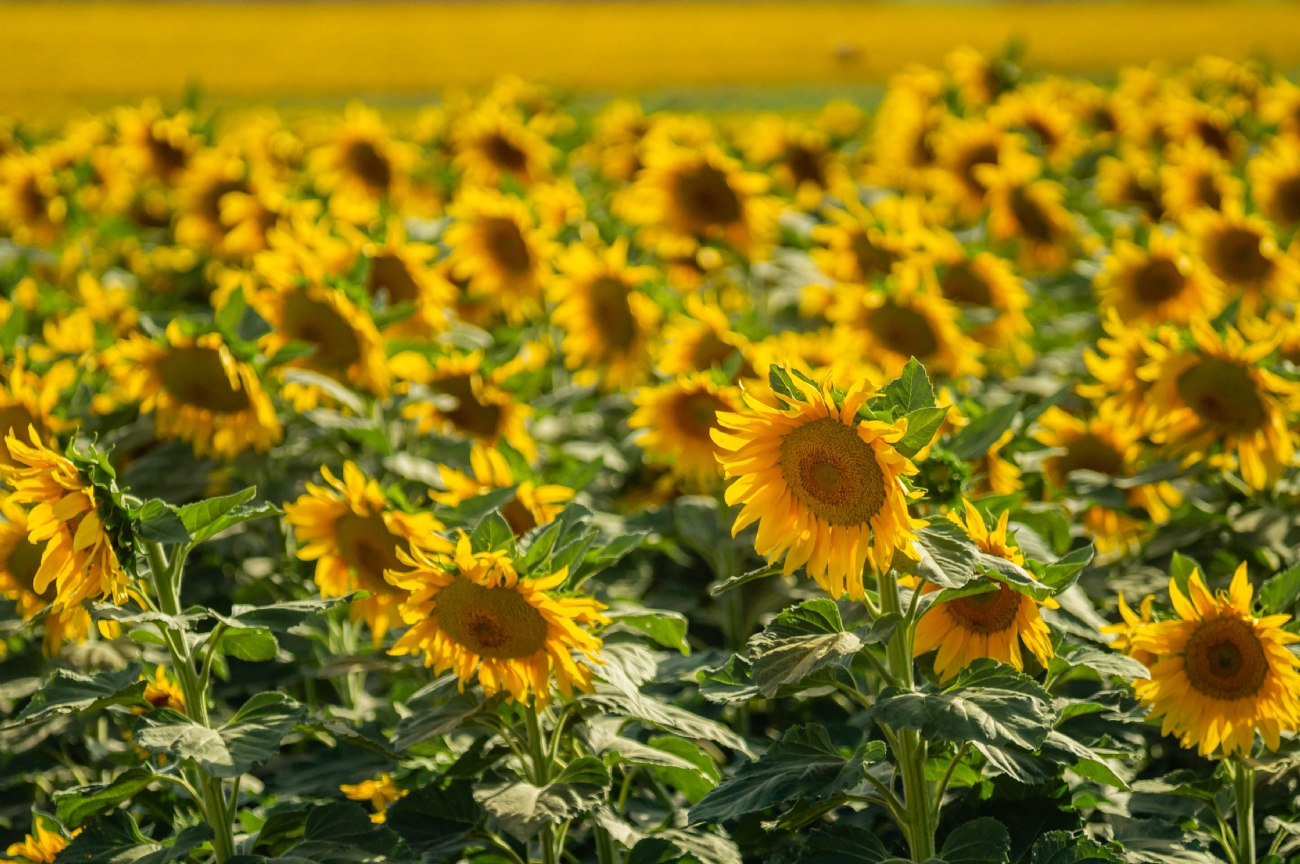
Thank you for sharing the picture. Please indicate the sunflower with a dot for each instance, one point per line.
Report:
(162, 691)
(532, 505)
(989, 624)
(155, 145)
(20, 559)
(43, 847)
(198, 391)
(1120, 354)
(800, 159)
(1222, 674)
(826, 489)
(1105, 445)
(380, 792)
(353, 534)
(979, 80)
(679, 418)
(1030, 212)
(702, 339)
(1209, 125)
(78, 560)
(348, 345)
(685, 196)
(32, 207)
(361, 165)
(474, 614)
(997, 474)
(1195, 177)
(1131, 180)
(211, 176)
(608, 323)
(28, 401)
(452, 396)
(965, 148)
(1275, 182)
(1044, 110)
(1164, 283)
(988, 288)
(1131, 624)
(859, 247)
(1280, 104)
(401, 271)
(615, 141)
(492, 142)
(894, 326)
(1217, 392)
(498, 251)
(907, 124)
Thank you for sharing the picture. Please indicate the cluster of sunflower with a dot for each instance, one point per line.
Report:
(537, 389)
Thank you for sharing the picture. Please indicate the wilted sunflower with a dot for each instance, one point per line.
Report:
(453, 397)
(1243, 252)
(1221, 674)
(679, 418)
(353, 534)
(1217, 393)
(685, 196)
(826, 489)
(532, 505)
(1162, 284)
(198, 392)
(1275, 181)
(990, 624)
(40, 848)
(474, 614)
(492, 142)
(78, 560)
(608, 322)
(498, 251)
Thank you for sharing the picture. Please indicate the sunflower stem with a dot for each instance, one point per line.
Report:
(541, 775)
(1244, 783)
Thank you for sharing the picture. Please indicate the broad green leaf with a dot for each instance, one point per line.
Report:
(280, 617)
(1180, 571)
(910, 391)
(948, 556)
(341, 832)
(983, 432)
(701, 846)
(987, 672)
(160, 522)
(435, 820)
(980, 841)
(69, 691)
(737, 581)
(780, 658)
(1014, 576)
(522, 809)
(200, 516)
(842, 843)
(1064, 847)
(227, 317)
(254, 644)
(782, 384)
(1106, 662)
(78, 804)
(922, 425)
(448, 709)
(1064, 571)
(1062, 749)
(115, 839)
(803, 764)
(666, 628)
(1280, 592)
(493, 534)
(631, 704)
(253, 735)
(981, 715)
(471, 511)
(697, 778)
(1021, 767)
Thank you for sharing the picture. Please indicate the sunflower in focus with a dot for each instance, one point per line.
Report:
(1221, 674)
(78, 560)
(1104, 445)
(679, 417)
(498, 251)
(1218, 394)
(1164, 283)
(360, 165)
(608, 322)
(532, 505)
(1275, 182)
(353, 534)
(825, 488)
(197, 390)
(451, 395)
(473, 614)
(380, 792)
(989, 624)
(683, 197)
(492, 142)
(43, 847)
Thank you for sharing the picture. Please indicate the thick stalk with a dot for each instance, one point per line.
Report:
(911, 750)
(167, 579)
(1244, 786)
(541, 776)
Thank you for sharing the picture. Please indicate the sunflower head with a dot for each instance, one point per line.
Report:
(472, 613)
(41, 847)
(679, 418)
(1220, 674)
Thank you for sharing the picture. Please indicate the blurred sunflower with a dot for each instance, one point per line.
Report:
(453, 397)
(211, 176)
(492, 142)
(614, 145)
(1196, 177)
(1115, 364)
(1243, 251)
(473, 614)
(498, 251)
(1221, 674)
(1044, 110)
(1131, 623)
(380, 792)
(800, 159)
(987, 289)
(1280, 104)
(1186, 118)
(353, 534)
(702, 339)
(197, 390)
(1031, 213)
(1218, 393)
(679, 417)
(156, 145)
(1164, 283)
(965, 148)
(401, 271)
(826, 489)
(532, 505)
(78, 560)
(858, 247)
(1275, 182)
(29, 401)
(43, 847)
(1131, 180)
(360, 165)
(989, 624)
(20, 560)
(33, 208)
(608, 322)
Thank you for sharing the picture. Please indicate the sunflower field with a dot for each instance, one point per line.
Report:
(516, 482)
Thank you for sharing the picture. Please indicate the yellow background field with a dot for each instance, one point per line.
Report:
(55, 55)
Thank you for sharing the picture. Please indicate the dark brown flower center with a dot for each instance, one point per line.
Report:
(903, 331)
(388, 273)
(833, 472)
(961, 284)
(308, 320)
(705, 197)
(1224, 395)
(611, 313)
(490, 622)
(369, 548)
(1034, 223)
(1236, 256)
(505, 155)
(1159, 280)
(195, 376)
(983, 154)
(1088, 452)
(369, 166)
(469, 416)
(870, 258)
(1224, 659)
(806, 166)
(987, 613)
(695, 414)
(1286, 201)
(506, 244)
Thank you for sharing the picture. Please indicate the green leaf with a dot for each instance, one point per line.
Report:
(67, 692)
(666, 628)
(803, 764)
(778, 378)
(737, 581)
(1014, 576)
(982, 715)
(983, 432)
(1279, 593)
(1064, 750)
(253, 735)
(435, 820)
(522, 809)
(980, 841)
(1180, 571)
(78, 804)
(114, 838)
(447, 708)
(948, 556)
(254, 644)
(228, 316)
(1105, 663)
(200, 516)
(694, 781)
(922, 425)
(1064, 847)
(623, 702)
(341, 832)
(283, 616)
(842, 843)
(987, 672)
(1064, 571)
(160, 522)
(781, 658)
(910, 391)
(332, 388)
(493, 534)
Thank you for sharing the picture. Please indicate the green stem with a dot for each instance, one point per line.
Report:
(541, 776)
(1244, 785)
(604, 846)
